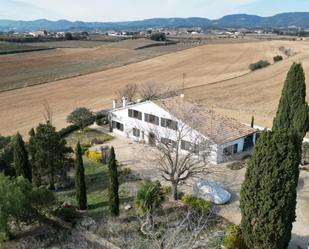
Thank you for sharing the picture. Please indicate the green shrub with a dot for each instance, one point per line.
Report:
(66, 212)
(159, 36)
(233, 239)
(85, 147)
(278, 58)
(68, 130)
(259, 65)
(196, 203)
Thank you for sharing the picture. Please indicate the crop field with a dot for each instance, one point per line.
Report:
(216, 74)
(10, 48)
(73, 58)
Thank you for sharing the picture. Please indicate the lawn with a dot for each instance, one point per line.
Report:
(97, 190)
(86, 137)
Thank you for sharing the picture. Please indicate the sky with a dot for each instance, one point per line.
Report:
(125, 10)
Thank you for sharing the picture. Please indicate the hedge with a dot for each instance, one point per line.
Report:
(68, 130)
(259, 65)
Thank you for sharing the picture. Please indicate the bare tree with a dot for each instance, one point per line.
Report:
(181, 151)
(48, 113)
(153, 91)
(179, 229)
(129, 91)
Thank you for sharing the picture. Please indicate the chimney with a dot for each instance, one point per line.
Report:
(114, 103)
(124, 102)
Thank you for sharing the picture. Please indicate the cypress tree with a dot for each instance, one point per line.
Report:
(80, 184)
(21, 162)
(36, 179)
(252, 122)
(113, 184)
(292, 111)
(268, 194)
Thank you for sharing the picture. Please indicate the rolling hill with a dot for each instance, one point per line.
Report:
(299, 19)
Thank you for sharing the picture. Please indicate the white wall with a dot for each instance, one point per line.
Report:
(121, 116)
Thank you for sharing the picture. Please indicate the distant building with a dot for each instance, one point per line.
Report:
(153, 121)
(38, 33)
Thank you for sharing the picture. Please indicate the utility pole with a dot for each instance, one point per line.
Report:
(183, 83)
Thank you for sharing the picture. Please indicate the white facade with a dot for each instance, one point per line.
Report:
(138, 129)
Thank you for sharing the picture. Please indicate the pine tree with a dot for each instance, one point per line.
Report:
(36, 179)
(293, 110)
(50, 153)
(80, 184)
(21, 162)
(113, 184)
(268, 194)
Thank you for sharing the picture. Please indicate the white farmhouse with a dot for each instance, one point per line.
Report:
(180, 122)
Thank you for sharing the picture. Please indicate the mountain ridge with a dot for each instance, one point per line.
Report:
(298, 19)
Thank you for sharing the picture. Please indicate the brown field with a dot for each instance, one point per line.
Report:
(73, 58)
(217, 74)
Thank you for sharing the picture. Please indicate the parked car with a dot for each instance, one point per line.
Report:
(211, 191)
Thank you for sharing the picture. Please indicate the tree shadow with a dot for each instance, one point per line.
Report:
(98, 205)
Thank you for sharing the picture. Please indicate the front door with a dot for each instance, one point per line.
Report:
(152, 139)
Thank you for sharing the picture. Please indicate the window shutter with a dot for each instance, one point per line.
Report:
(163, 122)
(157, 120)
(139, 115)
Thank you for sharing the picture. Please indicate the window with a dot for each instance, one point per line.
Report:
(117, 125)
(167, 141)
(136, 132)
(230, 150)
(185, 145)
(135, 114)
(149, 118)
(248, 143)
(168, 123)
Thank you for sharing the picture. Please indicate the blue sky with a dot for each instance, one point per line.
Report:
(122, 10)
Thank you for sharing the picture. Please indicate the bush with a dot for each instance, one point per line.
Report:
(98, 120)
(278, 58)
(85, 147)
(233, 239)
(66, 212)
(68, 130)
(159, 36)
(196, 203)
(94, 155)
(259, 65)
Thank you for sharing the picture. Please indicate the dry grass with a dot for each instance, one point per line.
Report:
(209, 71)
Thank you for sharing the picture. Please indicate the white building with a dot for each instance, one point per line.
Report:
(192, 125)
